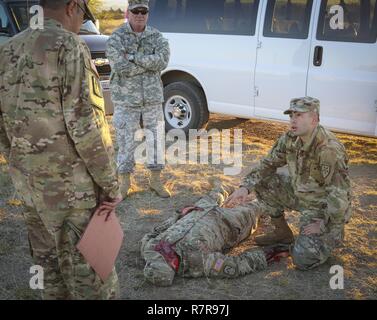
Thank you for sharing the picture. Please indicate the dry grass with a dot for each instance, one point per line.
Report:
(361, 150)
(2, 214)
(3, 161)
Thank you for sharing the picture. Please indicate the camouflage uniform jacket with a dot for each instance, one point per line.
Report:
(318, 172)
(53, 128)
(137, 83)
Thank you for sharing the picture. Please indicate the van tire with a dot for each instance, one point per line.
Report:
(195, 98)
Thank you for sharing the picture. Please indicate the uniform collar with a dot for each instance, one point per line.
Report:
(308, 145)
(143, 34)
(52, 23)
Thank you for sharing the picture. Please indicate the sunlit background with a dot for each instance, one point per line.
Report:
(110, 13)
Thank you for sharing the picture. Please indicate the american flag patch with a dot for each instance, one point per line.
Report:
(219, 263)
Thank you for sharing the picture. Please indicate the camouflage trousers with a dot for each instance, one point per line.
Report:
(127, 122)
(276, 194)
(201, 240)
(66, 273)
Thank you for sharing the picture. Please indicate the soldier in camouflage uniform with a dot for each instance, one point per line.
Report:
(318, 186)
(137, 54)
(55, 136)
(193, 242)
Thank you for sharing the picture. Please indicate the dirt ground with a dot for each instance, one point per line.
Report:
(143, 210)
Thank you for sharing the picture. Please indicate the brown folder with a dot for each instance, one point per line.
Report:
(101, 242)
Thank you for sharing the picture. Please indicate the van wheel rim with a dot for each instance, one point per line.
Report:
(178, 112)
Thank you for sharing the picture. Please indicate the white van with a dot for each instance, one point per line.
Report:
(248, 58)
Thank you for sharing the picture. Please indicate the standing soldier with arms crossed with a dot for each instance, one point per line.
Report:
(137, 54)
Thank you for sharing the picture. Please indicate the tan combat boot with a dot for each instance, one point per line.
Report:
(281, 234)
(156, 184)
(125, 184)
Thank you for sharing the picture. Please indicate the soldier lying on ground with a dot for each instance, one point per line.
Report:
(193, 242)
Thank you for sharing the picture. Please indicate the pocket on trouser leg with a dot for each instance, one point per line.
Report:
(119, 124)
(119, 118)
(43, 251)
(276, 192)
(79, 276)
(153, 120)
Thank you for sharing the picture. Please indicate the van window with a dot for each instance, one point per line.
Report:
(237, 17)
(4, 21)
(355, 22)
(287, 19)
(21, 15)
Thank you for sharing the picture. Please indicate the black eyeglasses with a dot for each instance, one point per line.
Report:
(82, 9)
(136, 11)
(87, 13)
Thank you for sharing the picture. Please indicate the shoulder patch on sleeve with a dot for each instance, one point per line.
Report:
(325, 170)
(95, 91)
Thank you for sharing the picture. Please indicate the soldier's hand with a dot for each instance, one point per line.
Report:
(107, 206)
(313, 228)
(238, 196)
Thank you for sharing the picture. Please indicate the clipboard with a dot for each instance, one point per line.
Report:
(101, 242)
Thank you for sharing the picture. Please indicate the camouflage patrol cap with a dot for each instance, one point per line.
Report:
(132, 4)
(304, 104)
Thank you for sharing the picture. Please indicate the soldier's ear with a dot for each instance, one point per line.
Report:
(315, 117)
(70, 8)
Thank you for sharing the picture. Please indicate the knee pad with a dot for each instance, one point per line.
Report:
(309, 252)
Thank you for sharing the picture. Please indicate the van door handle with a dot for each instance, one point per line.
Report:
(318, 53)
